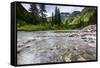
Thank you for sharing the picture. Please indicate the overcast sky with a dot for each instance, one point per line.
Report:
(51, 8)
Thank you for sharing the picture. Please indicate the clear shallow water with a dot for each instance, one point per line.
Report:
(47, 46)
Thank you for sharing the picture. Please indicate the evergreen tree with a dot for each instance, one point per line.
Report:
(57, 16)
(35, 13)
(42, 13)
(52, 22)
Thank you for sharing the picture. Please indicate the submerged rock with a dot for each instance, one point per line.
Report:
(81, 58)
(67, 58)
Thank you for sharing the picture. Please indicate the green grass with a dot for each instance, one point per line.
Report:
(40, 27)
(30, 27)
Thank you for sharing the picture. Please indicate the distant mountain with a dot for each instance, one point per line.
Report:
(75, 13)
(49, 18)
(63, 15)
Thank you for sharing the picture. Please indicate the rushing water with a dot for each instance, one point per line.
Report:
(50, 46)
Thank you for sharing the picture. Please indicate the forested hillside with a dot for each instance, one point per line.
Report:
(86, 17)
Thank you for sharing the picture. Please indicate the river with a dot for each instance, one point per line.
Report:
(55, 46)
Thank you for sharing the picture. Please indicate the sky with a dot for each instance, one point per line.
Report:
(51, 8)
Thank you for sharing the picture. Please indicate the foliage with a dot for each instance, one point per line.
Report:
(36, 18)
(83, 19)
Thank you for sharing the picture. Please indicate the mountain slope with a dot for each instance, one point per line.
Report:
(86, 17)
(72, 18)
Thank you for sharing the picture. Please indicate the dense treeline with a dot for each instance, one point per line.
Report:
(36, 18)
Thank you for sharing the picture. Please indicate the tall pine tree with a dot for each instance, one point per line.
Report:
(35, 13)
(52, 22)
(57, 16)
(42, 13)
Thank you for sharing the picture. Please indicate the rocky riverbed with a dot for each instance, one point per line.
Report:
(50, 47)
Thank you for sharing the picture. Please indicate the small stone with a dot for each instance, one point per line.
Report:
(67, 59)
(81, 58)
(33, 39)
(90, 38)
(73, 35)
(85, 40)
(27, 46)
(92, 41)
(51, 49)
